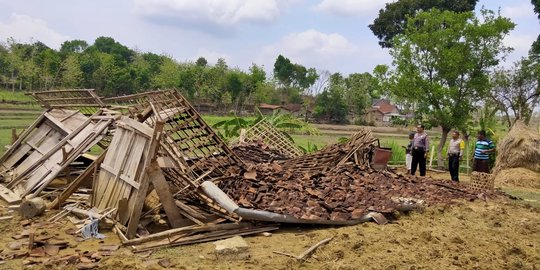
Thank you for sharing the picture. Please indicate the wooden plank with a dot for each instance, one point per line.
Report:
(22, 137)
(101, 181)
(165, 196)
(133, 169)
(9, 196)
(56, 147)
(39, 135)
(143, 128)
(123, 177)
(166, 162)
(57, 123)
(15, 157)
(73, 186)
(144, 182)
(72, 156)
(110, 195)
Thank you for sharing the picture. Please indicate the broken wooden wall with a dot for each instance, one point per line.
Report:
(47, 148)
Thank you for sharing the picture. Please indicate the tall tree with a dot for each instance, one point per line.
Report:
(330, 105)
(201, 61)
(357, 93)
(442, 63)
(535, 49)
(392, 20)
(517, 91)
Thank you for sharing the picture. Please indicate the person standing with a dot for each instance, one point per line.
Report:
(455, 154)
(408, 152)
(483, 147)
(420, 150)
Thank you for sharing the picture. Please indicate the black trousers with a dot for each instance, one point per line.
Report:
(453, 167)
(418, 159)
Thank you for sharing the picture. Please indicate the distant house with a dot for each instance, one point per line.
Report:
(268, 109)
(382, 111)
(297, 110)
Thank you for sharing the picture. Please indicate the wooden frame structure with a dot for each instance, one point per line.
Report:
(84, 100)
(272, 137)
(47, 148)
(357, 150)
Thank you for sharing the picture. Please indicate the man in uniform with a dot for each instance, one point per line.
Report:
(420, 149)
(455, 154)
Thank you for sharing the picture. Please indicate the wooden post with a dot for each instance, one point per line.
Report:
(67, 171)
(14, 136)
(431, 157)
(164, 193)
(467, 157)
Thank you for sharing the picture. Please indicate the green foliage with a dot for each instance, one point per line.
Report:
(330, 105)
(294, 78)
(442, 62)
(310, 148)
(230, 128)
(397, 121)
(398, 152)
(516, 91)
(392, 20)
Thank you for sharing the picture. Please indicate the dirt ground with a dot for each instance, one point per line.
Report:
(494, 234)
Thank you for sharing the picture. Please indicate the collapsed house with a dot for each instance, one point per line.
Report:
(165, 178)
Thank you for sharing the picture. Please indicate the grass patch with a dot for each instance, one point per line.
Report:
(320, 141)
(526, 196)
(6, 95)
(16, 123)
(23, 107)
(211, 120)
(5, 139)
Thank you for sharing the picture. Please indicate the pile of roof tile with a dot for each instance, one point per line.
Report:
(346, 192)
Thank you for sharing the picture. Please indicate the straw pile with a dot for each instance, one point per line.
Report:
(518, 158)
(518, 177)
(519, 149)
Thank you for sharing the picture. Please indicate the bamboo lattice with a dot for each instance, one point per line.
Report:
(272, 137)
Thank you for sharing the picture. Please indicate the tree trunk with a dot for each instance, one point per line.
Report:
(442, 142)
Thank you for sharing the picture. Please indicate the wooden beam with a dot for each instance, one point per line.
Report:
(73, 186)
(23, 136)
(165, 197)
(9, 196)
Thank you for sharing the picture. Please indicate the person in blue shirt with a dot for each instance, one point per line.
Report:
(483, 148)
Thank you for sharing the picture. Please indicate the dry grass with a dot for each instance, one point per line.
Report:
(518, 177)
(519, 149)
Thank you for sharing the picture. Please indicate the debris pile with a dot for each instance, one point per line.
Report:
(157, 149)
(257, 152)
(345, 192)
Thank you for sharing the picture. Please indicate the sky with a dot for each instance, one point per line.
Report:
(328, 35)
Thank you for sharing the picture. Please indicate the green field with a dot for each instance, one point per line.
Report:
(6, 95)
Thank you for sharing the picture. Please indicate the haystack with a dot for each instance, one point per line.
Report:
(518, 177)
(518, 158)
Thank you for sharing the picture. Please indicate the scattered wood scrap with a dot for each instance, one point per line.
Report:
(306, 254)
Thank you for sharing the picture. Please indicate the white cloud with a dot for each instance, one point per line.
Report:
(519, 11)
(212, 12)
(311, 48)
(350, 7)
(24, 28)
